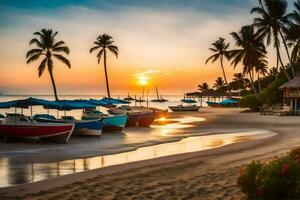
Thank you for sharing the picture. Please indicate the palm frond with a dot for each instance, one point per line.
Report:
(94, 48)
(33, 58)
(42, 67)
(63, 59)
(33, 51)
(62, 49)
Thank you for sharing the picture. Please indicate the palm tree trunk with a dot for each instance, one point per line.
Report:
(252, 84)
(222, 66)
(258, 80)
(282, 65)
(53, 85)
(106, 76)
(287, 52)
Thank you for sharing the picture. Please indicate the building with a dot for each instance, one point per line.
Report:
(291, 93)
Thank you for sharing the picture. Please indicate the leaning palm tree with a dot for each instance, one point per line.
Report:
(250, 53)
(103, 43)
(219, 83)
(261, 69)
(270, 25)
(48, 48)
(220, 50)
(203, 87)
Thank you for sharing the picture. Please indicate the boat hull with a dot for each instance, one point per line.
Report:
(213, 104)
(146, 119)
(114, 122)
(82, 127)
(48, 132)
(184, 108)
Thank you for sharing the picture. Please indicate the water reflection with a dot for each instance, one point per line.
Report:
(12, 173)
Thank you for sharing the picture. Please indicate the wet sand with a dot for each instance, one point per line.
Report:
(207, 174)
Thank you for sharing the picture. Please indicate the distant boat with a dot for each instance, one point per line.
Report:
(186, 108)
(159, 98)
(129, 98)
(82, 127)
(21, 126)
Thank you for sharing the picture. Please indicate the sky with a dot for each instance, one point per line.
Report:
(162, 43)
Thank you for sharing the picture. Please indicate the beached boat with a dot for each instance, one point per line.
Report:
(20, 126)
(213, 104)
(182, 108)
(142, 118)
(228, 103)
(110, 122)
(82, 127)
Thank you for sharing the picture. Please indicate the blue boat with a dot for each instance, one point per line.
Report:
(82, 127)
(228, 103)
(111, 122)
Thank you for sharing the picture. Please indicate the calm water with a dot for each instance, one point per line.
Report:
(173, 101)
(12, 172)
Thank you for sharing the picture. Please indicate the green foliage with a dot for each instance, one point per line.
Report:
(250, 101)
(278, 179)
(268, 96)
(271, 94)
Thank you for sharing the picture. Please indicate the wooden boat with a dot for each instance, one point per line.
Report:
(182, 108)
(82, 127)
(110, 122)
(20, 126)
(142, 118)
(159, 98)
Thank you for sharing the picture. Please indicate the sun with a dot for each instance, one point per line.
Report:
(143, 80)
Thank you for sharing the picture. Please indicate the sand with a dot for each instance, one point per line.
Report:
(208, 174)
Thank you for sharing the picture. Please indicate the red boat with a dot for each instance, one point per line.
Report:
(20, 126)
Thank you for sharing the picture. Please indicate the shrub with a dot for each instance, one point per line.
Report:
(278, 179)
(250, 101)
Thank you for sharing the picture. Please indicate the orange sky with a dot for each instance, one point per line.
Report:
(166, 46)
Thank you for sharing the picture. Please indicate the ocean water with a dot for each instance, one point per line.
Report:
(173, 101)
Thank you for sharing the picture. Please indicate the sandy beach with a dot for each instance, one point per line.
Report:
(209, 174)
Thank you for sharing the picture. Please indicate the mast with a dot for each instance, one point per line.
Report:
(143, 93)
(157, 93)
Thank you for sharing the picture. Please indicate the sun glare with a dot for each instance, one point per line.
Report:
(143, 80)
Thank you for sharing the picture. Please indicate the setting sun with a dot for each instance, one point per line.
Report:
(143, 80)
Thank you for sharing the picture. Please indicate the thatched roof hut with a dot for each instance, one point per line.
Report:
(291, 93)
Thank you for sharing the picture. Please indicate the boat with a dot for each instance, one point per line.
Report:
(21, 126)
(141, 118)
(129, 98)
(213, 104)
(110, 122)
(159, 98)
(182, 108)
(82, 127)
(190, 107)
(227, 103)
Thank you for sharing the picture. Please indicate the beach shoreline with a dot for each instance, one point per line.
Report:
(227, 160)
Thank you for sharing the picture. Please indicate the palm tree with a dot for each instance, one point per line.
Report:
(240, 80)
(273, 72)
(103, 43)
(48, 48)
(219, 83)
(292, 33)
(220, 50)
(271, 24)
(203, 87)
(261, 69)
(250, 53)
